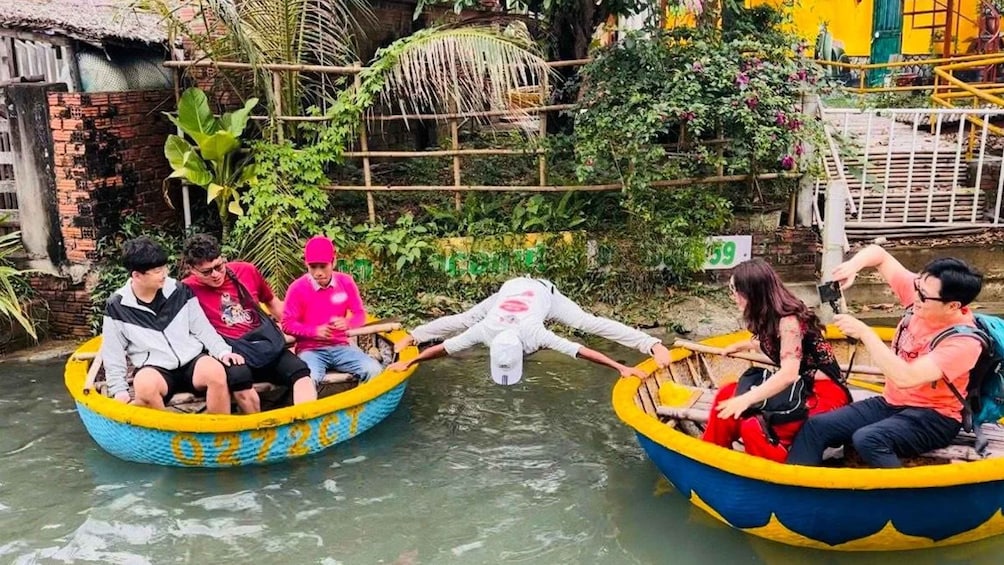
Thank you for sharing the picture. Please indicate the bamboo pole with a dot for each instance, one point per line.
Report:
(482, 114)
(559, 188)
(542, 159)
(367, 173)
(426, 117)
(324, 69)
(440, 153)
(277, 95)
(455, 148)
(763, 359)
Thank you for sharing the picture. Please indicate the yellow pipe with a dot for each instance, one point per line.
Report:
(995, 100)
(922, 62)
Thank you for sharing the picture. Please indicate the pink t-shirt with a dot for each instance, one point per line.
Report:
(955, 357)
(309, 306)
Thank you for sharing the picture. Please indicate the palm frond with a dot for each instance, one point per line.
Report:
(10, 299)
(460, 69)
(274, 248)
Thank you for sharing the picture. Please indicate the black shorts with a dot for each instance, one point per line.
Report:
(180, 379)
(284, 371)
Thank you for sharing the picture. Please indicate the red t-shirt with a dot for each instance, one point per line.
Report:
(222, 304)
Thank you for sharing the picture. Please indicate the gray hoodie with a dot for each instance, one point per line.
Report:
(168, 339)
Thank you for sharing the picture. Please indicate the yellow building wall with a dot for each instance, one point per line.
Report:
(850, 24)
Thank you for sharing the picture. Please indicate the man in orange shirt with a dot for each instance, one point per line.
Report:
(917, 411)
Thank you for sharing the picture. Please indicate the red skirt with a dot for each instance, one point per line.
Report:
(826, 395)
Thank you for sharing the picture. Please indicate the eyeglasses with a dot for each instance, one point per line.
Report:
(219, 267)
(923, 297)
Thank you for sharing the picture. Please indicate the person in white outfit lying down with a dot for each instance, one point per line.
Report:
(511, 323)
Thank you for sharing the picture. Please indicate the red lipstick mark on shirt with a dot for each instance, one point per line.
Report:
(513, 305)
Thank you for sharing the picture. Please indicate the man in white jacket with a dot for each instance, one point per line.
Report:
(511, 323)
(158, 323)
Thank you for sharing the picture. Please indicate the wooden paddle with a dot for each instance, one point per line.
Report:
(677, 401)
(761, 358)
(92, 373)
(373, 328)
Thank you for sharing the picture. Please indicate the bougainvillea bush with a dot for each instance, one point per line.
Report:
(697, 102)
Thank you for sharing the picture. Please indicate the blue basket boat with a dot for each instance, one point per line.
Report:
(162, 437)
(949, 497)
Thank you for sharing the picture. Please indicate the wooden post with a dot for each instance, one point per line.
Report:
(186, 196)
(277, 100)
(70, 55)
(455, 144)
(720, 151)
(542, 159)
(807, 183)
(365, 147)
(946, 48)
(834, 234)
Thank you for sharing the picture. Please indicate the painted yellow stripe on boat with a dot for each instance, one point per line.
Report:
(76, 373)
(761, 469)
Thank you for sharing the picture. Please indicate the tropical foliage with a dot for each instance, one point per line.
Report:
(439, 68)
(215, 161)
(12, 284)
(261, 32)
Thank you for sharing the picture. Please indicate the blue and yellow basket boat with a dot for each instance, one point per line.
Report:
(950, 497)
(162, 437)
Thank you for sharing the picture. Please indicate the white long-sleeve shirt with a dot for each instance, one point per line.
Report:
(525, 304)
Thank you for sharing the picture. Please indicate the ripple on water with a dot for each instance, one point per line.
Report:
(236, 502)
(93, 540)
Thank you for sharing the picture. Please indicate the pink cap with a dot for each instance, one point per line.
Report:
(319, 249)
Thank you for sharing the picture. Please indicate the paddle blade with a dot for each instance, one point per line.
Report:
(675, 396)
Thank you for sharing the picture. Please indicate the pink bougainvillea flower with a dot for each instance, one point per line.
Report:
(694, 6)
(787, 162)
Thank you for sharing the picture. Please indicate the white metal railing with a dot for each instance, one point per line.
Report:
(898, 172)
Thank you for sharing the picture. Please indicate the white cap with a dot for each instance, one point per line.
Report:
(507, 358)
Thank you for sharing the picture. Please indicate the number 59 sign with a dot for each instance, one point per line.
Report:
(727, 251)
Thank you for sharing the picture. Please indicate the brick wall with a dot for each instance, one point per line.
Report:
(108, 151)
(108, 156)
(793, 252)
(69, 303)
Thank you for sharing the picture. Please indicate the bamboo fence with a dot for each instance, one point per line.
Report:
(456, 152)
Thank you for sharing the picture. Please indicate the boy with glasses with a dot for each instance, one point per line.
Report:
(917, 411)
(230, 294)
(158, 323)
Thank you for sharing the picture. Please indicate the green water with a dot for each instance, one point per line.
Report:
(463, 472)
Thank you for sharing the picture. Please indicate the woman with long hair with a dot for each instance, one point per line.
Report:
(791, 335)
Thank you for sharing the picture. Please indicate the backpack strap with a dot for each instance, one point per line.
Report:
(964, 331)
(903, 324)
